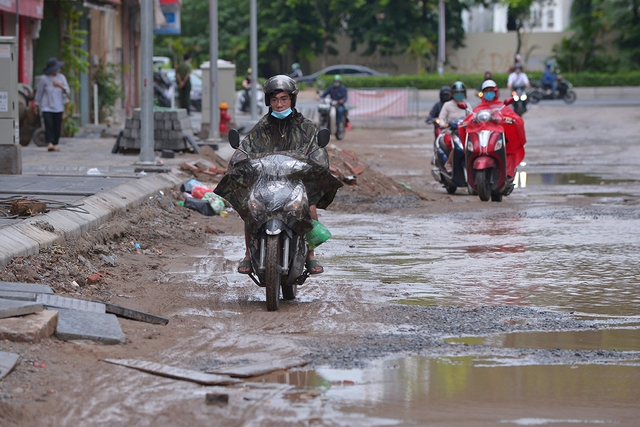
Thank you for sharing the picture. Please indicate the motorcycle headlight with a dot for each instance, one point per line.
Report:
(516, 98)
(297, 201)
(256, 205)
(499, 144)
(524, 97)
(483, 116)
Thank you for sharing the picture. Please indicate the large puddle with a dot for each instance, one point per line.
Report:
(479, 391)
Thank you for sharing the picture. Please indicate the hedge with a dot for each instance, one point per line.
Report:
(435, 81)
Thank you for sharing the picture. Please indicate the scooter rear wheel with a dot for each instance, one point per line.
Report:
(569, 97)
(272, 275)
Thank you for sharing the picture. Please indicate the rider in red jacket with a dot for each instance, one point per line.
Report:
(513, 126)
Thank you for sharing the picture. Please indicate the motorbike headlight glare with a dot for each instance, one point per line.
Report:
(524, 97)
(516, 98)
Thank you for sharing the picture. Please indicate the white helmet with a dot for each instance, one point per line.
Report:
(488, 83)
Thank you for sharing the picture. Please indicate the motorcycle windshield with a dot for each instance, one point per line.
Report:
(277, 175)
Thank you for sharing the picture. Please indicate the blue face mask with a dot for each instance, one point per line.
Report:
(489, 96)
(281, 114)
(458, 96)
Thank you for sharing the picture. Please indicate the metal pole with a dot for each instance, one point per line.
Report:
(147, 155)
(95, 103)
(18, 21)
(441, 37)
(214, 132)
(254, 58)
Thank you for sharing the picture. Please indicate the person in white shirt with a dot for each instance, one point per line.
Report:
(518, 78)
(451, 113)
(51, 94)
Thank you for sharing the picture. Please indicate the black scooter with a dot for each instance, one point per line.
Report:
(539, 92)
(458, 176)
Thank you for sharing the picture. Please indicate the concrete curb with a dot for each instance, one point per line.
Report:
(28, 237)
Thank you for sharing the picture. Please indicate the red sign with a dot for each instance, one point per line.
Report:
(30, 8)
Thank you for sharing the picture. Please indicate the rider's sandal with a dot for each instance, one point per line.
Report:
(314, 264)
(245, 266)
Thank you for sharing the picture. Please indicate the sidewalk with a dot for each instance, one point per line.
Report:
(83, 184)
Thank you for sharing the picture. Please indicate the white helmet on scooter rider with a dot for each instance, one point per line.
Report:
(489, 83)
(280, 83)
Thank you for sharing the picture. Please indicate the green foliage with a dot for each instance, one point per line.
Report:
(109, 88)
(472, 81)
(75, 62)
(606, 37)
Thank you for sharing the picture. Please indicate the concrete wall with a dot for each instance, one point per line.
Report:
(483, 52)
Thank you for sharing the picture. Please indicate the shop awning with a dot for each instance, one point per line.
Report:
(30, 8)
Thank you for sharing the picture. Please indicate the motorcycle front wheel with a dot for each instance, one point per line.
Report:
(289, 292)
(483, 184)
(272, 275)
(535, 97)
(340, 132)
(569, 97)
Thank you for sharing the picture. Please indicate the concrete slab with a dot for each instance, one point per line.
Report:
(30, 328)
(54, 301)
(25, 287)
(18, 242)
(256, 369)
(42, 237)
(140, 316)
(176, 373)
(7, 362)
(85, 325)
(19, 296)
(11, 308)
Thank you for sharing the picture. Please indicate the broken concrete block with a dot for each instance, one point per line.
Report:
(11, 308)
(25, 287)
(176, 373)
(19, 296)
(7, 362)
(85, 325)
(217, 398)
(30, 328)
(55, 301)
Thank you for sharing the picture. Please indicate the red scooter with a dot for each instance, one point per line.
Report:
(485, 152)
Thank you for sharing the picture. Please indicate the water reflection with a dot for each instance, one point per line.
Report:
(573, 262)
(425, 390)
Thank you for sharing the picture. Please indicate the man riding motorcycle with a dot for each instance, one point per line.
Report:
(549, 79)
(283, 128)
(513, 129)
(445, 95)
(518, 78)
(450, 113)
(338, 92)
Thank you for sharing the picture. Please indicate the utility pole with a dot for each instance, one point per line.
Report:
(253, 52)
(441, 37)
(214, 130)
(147, 155)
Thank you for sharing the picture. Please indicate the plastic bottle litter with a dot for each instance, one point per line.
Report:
(224, 214)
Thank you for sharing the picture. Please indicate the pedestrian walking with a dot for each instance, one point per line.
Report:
(52, 93)
(183, 78)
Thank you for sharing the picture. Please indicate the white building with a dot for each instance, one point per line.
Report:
(546, 16)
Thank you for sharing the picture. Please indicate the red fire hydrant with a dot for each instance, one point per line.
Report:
(225, 118)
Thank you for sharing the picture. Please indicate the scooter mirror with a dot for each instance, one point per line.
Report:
(323, 137)
(462, 105)
(508, 101)
(234, 138)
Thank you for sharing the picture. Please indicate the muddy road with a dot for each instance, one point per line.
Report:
(434, 310)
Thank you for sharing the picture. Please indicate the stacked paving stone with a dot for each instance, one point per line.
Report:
(172, 131)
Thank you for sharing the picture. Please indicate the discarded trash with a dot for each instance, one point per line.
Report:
(199, 191)
(224, 214)
(137, 245)
(93, 171)
(108, 259)
(188, 186)
(216, 202)
(27, 207)
(202, 206)
(407, 186)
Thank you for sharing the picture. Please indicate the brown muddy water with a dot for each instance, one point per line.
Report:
(521, 253)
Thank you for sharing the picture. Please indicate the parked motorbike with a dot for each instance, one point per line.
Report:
(565, 91)
(243, 102)
(485, 153)
(279, 218)
(328, 110)
(520, 100)
(458, 176)
(163, 91)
